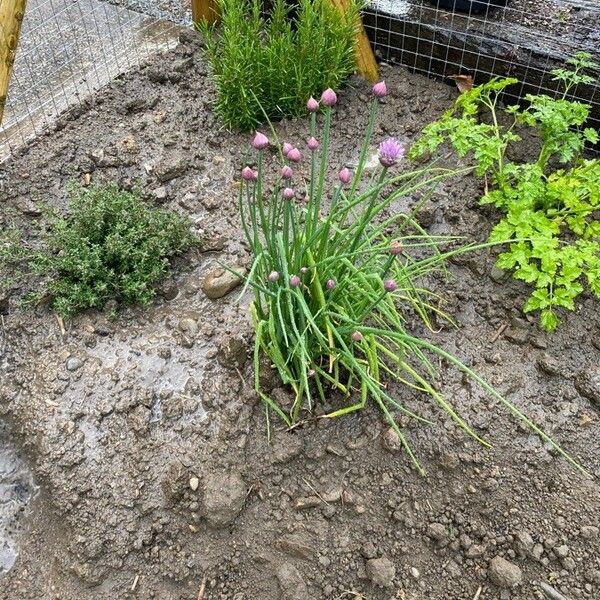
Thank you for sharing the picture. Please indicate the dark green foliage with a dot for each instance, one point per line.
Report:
(549, 214)
(111, 246)
(273, 65)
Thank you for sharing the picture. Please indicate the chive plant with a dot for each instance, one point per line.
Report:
(336, 278)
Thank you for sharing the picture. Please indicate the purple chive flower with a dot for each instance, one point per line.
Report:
(345, 175)
(312, 105)
(273, 276)
(249, 174)
(287, 172)
(380, 89)
(294, 155)
(390, 151)
(357, 336)
(396, 248)
(389, 285)
(286, 148)
(329, 97)
(312, 144)
(330, 284)
(260, 141)
(294, 281)
(288, 193)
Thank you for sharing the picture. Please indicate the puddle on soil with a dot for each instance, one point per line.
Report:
(17, 488)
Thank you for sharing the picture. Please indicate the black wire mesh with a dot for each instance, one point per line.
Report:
(525, 39)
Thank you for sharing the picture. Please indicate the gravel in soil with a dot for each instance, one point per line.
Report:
(149, 444)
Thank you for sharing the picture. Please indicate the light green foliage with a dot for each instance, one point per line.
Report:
(111, 246)
(323, 314)
(550, 214)
(272, 65)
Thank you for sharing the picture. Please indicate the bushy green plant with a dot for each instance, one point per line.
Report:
(337, 278)
(550, 214)
(267, 65)
(111, 246)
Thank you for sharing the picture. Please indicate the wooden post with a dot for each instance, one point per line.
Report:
(365, 59)
(205, 10)
(11, 17)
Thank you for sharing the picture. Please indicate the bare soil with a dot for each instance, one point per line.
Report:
(149, 444)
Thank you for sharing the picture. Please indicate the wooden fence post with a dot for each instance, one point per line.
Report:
(11, 17)
(205, 10)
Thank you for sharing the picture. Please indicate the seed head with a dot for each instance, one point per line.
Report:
(329, 97)
(261, 141)
(273, 276)
(345, 175)
(380, 89)
(294, 281)
(294, 155)
(396, 247)
(286, 148)
(357, 336)
(330, 284)
(287, 172)
(288, 193)
(312, 105)
(312, 144)
(390, 151)
(249, 174)
(389, 285)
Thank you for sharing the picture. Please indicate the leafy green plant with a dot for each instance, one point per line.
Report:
(111, 246)
(550, 214)
(269, 65)
(337, 278)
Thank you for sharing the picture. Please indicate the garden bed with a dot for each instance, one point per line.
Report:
(149, 444)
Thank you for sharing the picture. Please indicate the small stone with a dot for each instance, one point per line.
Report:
(498, 275)
(537, 551)
(219, 283)
(589, 532)
(561, 551)
(224, 497)
(548, 364)
(437, 532)
(160, 194)
(170, 167)
(381, 571)
(291, 583)
(391, 442)
(194, 483)
(188, 326)
(504, 573)
(415, 572)
(587, 384)
(74, 363)
(523, 543)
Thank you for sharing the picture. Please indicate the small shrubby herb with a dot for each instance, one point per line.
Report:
(550, 214)
(337, 278)
(111, 246)
(270, 65)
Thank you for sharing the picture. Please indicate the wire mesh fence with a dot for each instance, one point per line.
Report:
(70, 48)
(67, 50)
(525, 39)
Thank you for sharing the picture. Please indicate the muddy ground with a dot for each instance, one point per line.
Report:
(149, 445)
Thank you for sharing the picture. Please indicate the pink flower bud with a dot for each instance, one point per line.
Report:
(261, 141)
(312, 105)
(357, 336)
(390, 285)
(287, 172)
(288, 193)
(331, 283)
(312, 144)
(345, 175)
(249, 174)
(273, 276)
(294, 281)
(380, 89)
(396, 248)
(286, 148)
(329, 97)
(294, 155)
(304, 270)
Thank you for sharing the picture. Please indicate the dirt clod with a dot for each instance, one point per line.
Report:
(224, 496)
(381, 571)
(504, 573)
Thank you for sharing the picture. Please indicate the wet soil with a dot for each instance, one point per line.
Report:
(149, 444)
